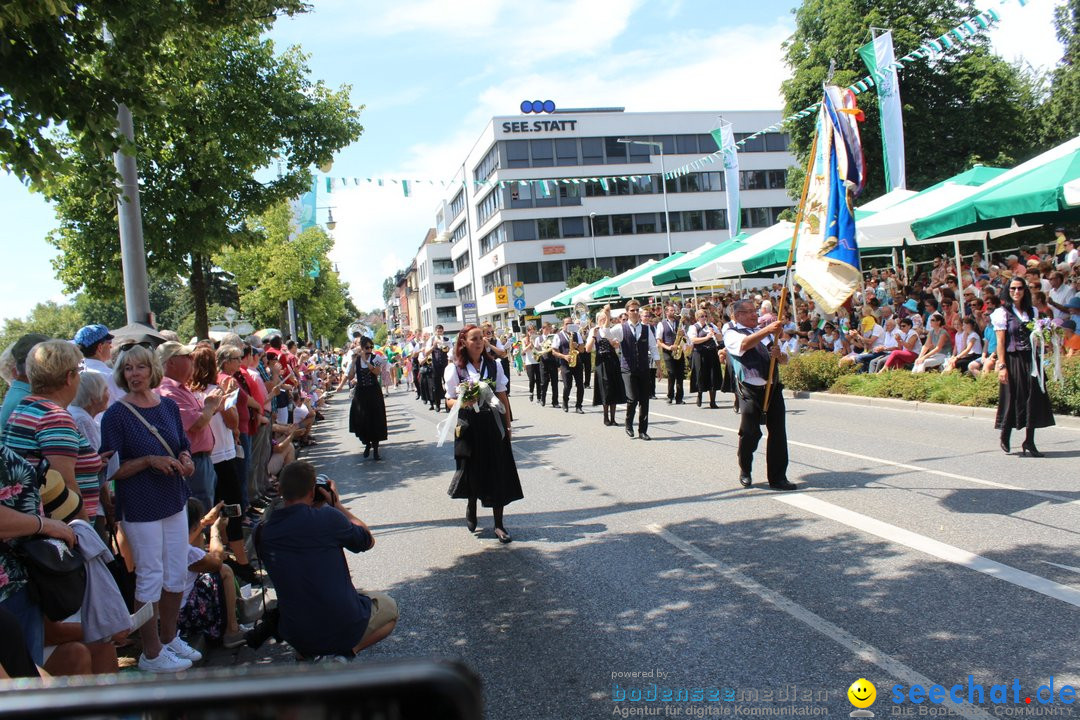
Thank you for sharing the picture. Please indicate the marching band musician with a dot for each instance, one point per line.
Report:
(532, 365)
(637, 361)
(608, 387)
(423, 360)
(548, 367)
(585, 359)
(438, 348)
(666, 332)
(561, 350)
(705, 362)
(497, 350)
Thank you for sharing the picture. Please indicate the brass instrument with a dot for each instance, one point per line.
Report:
(677, 348)
(572, 360)
(545, 348)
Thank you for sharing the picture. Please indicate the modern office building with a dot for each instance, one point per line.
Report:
(503, 224)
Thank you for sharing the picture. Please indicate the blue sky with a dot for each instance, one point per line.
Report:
(432, 72)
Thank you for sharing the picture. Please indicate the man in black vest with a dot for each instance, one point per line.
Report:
(567, 373)
(549, 368)
(439, 349)
(639, 353)
(675, 369)
(751, 352)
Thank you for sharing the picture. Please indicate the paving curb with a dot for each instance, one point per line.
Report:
(1068, 421)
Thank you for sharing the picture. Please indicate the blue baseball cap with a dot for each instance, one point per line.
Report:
(90, 335)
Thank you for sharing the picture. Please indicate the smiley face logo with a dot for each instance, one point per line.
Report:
(862, 693)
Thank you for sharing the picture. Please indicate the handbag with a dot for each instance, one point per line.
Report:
(57, 576)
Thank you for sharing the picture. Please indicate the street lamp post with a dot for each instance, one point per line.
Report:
(663, 182)
(592, 234)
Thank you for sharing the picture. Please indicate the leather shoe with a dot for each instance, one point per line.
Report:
(630, 431)
(579, 411)
(644, 435)
(745, 480)
(786, 485)
(566, 408)
(670, 401)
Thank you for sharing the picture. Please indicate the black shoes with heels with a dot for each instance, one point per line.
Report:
(1030, 449)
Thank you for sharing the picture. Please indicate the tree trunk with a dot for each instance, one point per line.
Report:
(198, 295)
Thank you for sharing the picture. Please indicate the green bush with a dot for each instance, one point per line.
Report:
(1065, 396)
(815, 370)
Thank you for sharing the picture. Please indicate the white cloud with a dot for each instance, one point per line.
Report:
(1025, 33)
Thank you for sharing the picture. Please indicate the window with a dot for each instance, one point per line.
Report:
(465, 294)
(493, 239)
(495, 278)
(459, 232)
(462, 262)
(777, 179)
(676, 221)
(444, 291)
(686, 144)
(668, 142)
(645, 223)
(622, 224)
(618, 186)
(543, 154)
(571, 265)
(594, 189)
(606, 263)
(715, 219)
(712, 181)
(528, 272)
(706, 144)
(639, 153)
(777, 142)
(692, 220)
(490, 205)
(756, 217)
(445, 314)
(517, 153)
(616, 151)
(645, 185)
(547, 228)
(442, 267)
(592, 151)
(776, 212)
(552, 271)
(566, 152)
(624, 263)
(756, 144)
(573, 227)
(752, 180)
(457, 204)
(569, 194)
(601, 225)
(524, 230)
(488, 165)
(691, 182)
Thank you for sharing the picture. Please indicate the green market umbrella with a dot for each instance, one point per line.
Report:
(553, 302)
(591, 294)
(680, 273)
(1031, 193)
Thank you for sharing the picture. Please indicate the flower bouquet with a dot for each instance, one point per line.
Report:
(1046, 332)
(475, 395)
(472, 394)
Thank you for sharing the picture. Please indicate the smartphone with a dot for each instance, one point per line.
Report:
(230, 511)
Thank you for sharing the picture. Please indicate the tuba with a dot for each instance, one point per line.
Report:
(677, 348)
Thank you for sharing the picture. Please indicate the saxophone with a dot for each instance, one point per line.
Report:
(572, 360)
(677, 348)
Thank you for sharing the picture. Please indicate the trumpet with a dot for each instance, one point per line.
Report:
(677, 348)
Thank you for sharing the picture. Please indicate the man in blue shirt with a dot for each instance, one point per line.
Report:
(301, 544)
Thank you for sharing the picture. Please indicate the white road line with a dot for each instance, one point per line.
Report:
(935, 548)
(860, 648)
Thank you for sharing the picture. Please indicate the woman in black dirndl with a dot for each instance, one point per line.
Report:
(705, 376)
(608, 388)
(367, 414)
(1022, 401)
(485, 467)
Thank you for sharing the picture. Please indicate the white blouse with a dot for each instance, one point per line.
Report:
(450, 378)
(1000, 318)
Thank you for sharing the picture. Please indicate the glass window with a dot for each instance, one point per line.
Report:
(524, 230)
(776, 212)
(548, 228)
(644, 185)
(777, 179)
(543, 153)
(777, 142)
(619, 186)
(465, 294)
(752, 180)
(592, 151)
(646, 258)
(528, 272)
(457, 205)
(594, 189)
(755, 144)
(493, 239)
(462, 262)
(638, 152)
(686, 144)
(520, 195)
(712, 181)
(616, 151)
(606, 263)
(622, 224)
(552, 271)
(569, 194)
(517, 153)
(488, 165)
(539, 200)
(601, 224)
(756, 217)
(573, 227)
(691, 182)
(577, 263)
(706, 144)
(645, 223)
(692, 220)
(566, 152)
(668, 142)
(715, 219)
(671, 184)
(676, 221)
(624, 263)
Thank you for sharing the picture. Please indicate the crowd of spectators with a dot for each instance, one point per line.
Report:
(152, 459)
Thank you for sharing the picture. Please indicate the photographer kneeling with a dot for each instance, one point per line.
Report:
(300, 545)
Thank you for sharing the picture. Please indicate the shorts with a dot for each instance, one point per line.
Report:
(384, 610)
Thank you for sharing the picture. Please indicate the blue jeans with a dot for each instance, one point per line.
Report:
(203, 482)
(32, 622)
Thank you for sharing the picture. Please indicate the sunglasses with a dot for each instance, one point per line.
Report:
(144, 344)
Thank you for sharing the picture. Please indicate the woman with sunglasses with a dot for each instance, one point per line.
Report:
(1022, 401)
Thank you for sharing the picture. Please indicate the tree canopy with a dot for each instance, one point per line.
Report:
(967, 106)
(1061, 115)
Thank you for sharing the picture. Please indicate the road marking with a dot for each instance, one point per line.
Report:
(1063, 567)
(935, 548)
(860, 648)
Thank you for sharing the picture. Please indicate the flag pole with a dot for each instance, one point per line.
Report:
(790, 259)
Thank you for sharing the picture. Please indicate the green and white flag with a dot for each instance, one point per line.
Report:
(880, 60)
(725, 140)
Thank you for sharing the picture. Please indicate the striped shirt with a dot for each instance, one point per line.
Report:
(38, 427)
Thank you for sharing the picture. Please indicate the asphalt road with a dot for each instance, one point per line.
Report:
(916, 553)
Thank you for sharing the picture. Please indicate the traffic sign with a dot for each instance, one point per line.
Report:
(519, 290)
(468, 313)
(519, 303)
(502, 295)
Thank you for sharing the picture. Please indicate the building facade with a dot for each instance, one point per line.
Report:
(437, 299)
(540, 195)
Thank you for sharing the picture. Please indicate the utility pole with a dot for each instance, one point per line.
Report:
(132, 251)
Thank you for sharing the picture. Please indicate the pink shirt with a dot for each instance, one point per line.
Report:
(191, 408)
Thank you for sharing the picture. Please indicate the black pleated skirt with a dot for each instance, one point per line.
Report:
(485, 466)
(607, 381)
(367, 415)
(1021, 402)
(705, 375)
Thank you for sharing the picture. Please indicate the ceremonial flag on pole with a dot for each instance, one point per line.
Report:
(827, 257)
(880, 60)
(725, 140)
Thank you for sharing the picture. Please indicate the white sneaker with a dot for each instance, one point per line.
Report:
(182, 650)
(165, 662)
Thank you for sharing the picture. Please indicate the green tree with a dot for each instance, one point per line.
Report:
(233, 108)
(57, 67)
(1061, 115)
(968, 106)
(388, 287)
(581, 274)
(47, 318)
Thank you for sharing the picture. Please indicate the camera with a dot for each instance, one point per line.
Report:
(323, 492)
(230, 511)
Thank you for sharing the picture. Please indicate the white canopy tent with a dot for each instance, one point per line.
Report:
(643, 284)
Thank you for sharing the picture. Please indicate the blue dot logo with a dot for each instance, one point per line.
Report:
(526, 106)
(538, 106)
(549, 106)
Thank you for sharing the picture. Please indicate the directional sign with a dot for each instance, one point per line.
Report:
(502, 295)
(468, 313)
(519, 304)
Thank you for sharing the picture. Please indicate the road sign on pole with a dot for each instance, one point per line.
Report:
(468, 313)
(519, 303)
(519, 290)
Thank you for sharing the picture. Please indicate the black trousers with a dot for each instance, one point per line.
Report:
(533, 373)
(776, 452)
(676, 374)
(639, 388)
(568, 374)
(549, 375)
(436, 391)
(416, 377)
(585, 360)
